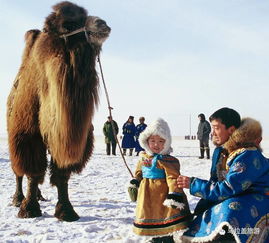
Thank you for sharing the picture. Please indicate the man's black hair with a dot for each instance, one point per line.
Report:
(227, 116)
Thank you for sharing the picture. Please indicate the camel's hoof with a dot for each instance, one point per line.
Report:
(29, 209)
(65, 212)
(17, 200)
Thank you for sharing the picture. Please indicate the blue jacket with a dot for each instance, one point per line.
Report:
(248, 171)
(236, 196)
(139, 128)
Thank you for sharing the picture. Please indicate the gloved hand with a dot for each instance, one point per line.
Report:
(174, 200)
(133, 189)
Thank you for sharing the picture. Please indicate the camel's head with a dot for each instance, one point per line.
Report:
(68, 20)
(97, 30)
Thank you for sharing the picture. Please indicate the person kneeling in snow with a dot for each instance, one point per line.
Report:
(238, 203)
(162, 207)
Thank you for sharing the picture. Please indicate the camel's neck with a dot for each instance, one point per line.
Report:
(74, 96)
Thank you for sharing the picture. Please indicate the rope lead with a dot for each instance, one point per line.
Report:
(110, 114)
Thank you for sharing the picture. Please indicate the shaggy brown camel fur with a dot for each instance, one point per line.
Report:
(52, 103)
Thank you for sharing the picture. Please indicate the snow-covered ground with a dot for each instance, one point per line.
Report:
(98, 195)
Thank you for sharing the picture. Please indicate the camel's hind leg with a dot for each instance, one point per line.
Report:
(30, 207)
(59, 178)
(19, 196)
(28, 157)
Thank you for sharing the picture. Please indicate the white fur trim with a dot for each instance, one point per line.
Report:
(132, 186)
(160, 128)
(170, 202)
(213, 235)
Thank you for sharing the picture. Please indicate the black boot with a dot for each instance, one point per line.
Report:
(114, 148)
(164, 239)
(108, 148)
(207, 153)
(202, 151)
(168, 239)
(154, 240)
(131, 152)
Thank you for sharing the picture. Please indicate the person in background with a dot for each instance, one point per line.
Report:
(138, 129)
(162, 207)
(128, 141)
(110, 139)
(234, 204)
(203, 132)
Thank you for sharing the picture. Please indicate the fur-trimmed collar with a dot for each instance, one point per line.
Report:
(245, 136)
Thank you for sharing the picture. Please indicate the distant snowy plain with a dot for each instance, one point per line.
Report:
(98, 195)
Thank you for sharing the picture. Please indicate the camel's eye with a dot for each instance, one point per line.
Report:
(100, 23)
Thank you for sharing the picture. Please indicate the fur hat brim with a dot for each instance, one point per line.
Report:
(160, 128)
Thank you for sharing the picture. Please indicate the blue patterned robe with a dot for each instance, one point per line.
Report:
(138, 129)
(236, 196)
(128, 140)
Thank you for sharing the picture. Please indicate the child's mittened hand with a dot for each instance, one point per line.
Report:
(133, 189)
(135, 182)
(174, 201)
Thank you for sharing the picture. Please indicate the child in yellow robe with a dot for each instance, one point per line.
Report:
(162, 207)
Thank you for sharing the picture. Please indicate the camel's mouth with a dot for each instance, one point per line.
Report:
(100, 34)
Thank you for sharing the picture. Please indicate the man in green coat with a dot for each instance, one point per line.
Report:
(109, 135)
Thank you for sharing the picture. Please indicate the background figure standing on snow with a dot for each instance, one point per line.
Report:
(128, 141)
(110, 139)
(162, 207)
(204, 130)
(139, 128)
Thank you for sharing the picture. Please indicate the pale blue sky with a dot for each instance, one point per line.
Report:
(171, 59)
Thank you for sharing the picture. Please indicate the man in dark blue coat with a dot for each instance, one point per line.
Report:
(128, 141)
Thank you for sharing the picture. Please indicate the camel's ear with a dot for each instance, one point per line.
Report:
(68, 9)
(65, 17)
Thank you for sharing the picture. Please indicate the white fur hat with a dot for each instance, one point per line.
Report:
(158, 127)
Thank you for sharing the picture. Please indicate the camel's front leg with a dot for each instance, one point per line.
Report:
(18, 196)
(30, 207)
(64, 210)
